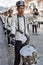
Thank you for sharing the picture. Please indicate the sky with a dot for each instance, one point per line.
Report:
(7, 3)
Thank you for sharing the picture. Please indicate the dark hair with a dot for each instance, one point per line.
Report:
(10, 10)
(35, 10)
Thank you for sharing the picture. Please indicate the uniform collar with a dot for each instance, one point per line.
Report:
(20, 16)
(9, 16)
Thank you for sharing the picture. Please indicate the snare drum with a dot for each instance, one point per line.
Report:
(29, 54)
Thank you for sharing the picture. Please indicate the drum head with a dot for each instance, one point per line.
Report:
(27, 51)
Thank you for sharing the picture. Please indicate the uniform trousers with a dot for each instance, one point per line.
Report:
(18, 46)
(8, 32)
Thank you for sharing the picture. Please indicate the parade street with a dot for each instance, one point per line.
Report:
(7, 54)
(3, 47)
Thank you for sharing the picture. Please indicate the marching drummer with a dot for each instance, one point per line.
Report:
(9, 22)
(19, 30)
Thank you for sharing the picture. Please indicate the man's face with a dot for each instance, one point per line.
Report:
(6, 13)
(10, 14)
(20, 9)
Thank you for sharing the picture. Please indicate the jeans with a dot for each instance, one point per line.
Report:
(18, 46)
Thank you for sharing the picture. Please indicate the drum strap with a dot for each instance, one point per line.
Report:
(7, 21)
(18, 25)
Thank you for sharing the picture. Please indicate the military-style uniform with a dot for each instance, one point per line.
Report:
(19, 25)
(9, 22)
(19, 32)
(19, 29)
(5, 22)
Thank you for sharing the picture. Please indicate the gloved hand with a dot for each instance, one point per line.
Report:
(12, 35)
(13, 41)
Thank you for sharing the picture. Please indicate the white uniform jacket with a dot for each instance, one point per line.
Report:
(5, 21)
(9, 22)
(22, 27)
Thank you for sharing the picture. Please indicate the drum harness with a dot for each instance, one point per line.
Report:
(19, 27)
(7, 20)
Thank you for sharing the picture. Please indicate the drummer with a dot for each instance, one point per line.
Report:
(18, 29)
(9, 22)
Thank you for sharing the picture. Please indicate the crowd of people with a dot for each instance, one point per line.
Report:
(15, 27)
